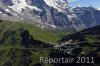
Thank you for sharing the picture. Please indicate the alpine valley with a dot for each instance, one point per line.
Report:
(30, 29)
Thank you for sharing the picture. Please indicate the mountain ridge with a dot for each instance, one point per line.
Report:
(42, 14)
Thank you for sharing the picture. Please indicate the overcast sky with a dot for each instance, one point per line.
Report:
(86, 3)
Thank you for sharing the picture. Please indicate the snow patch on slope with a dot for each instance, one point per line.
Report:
(21, 4)
(97, 8)
(57, 4)
(7, 10)
(1, 12)
(71, 16)
(53, 26)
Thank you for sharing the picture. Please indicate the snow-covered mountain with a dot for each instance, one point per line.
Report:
(18, 5)
(50, 14)
(60, 5)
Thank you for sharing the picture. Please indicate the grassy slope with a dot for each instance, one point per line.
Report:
(15, 56)
(21, 57)
(36, 32)
(88, 39)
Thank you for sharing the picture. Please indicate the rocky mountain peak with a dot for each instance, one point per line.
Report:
(57, 4)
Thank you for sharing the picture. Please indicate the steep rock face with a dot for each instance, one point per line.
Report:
(88, 15)
(60, 5)
(6, 13)
(50, 14)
